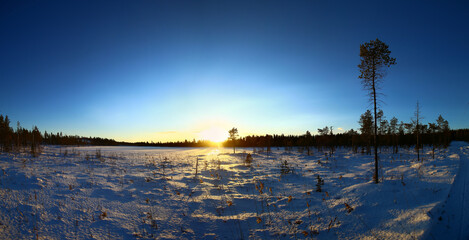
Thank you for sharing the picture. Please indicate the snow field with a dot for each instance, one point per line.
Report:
(148, 193)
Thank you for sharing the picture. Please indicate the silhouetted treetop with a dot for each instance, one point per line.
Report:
(375, 56)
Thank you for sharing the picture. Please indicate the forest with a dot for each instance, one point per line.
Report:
(391, 133)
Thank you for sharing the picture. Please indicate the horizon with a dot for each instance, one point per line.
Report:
(171, 71)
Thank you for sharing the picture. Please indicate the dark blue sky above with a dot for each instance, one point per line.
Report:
(157, 70)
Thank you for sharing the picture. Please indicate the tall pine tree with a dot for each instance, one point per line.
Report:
(375, 58)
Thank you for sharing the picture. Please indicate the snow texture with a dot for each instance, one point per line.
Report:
(155, 193)
(452, 217)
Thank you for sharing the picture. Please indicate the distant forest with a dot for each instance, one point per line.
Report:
(391, 133)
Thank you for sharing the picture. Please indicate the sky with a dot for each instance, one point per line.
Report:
(175, 70)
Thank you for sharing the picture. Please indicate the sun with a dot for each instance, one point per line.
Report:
(214, 134)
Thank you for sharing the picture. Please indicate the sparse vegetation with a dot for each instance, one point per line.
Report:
(282, 193)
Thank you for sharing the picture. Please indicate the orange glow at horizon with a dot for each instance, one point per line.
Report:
(214, 134)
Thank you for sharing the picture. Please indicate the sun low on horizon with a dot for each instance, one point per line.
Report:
(214, 134)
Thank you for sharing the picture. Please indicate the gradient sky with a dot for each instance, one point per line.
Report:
(167, 70)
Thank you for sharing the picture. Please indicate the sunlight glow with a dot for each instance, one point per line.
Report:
(214, 134)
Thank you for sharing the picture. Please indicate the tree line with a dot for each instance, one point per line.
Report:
(21, 138)
(18, 138)
(391, 133)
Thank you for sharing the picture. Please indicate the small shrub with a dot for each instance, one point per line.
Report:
(349, 209)
(285, 168)
(98, 154)
(319, 184)
(248, 159)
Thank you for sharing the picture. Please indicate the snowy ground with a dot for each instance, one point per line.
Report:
(147, 193)
(452, 216)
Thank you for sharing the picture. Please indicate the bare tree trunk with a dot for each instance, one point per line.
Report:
(418, 147)
(417, 112)
(375, 176)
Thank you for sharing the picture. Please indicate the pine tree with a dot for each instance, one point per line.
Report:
(233, 136)
(416, 123)
(375, 58)
(366, 128)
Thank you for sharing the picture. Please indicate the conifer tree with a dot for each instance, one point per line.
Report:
(366, 127)
(233, 136)
(375, 58)
(416, 122)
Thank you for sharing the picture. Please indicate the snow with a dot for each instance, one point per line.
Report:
(147, 193)
(452, 221)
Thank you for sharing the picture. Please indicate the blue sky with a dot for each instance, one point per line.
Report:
(167, 70)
